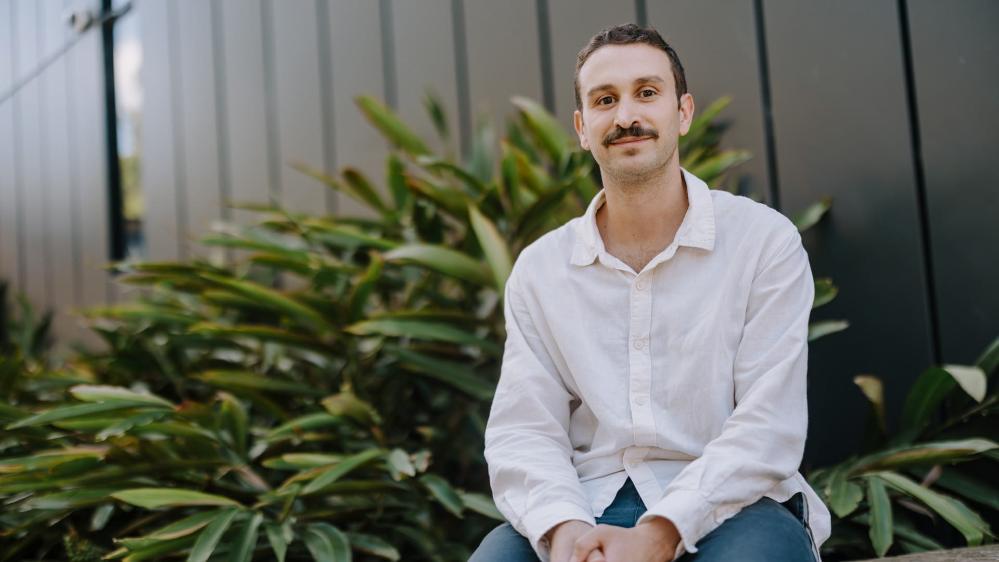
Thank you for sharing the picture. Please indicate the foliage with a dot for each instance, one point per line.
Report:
(324, 394)
(931, 469)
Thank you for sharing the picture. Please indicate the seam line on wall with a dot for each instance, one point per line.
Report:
(545, 52)
(270, 99)
(926, 241)
(177, 107)
(461, 76)
(765, 99)
(326, 102)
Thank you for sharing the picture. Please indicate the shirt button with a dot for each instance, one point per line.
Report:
(641, 285)
(640, 400)
(639, 343)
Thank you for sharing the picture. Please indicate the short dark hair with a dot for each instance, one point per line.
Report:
(628, 34)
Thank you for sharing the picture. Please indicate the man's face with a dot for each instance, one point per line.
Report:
(630, 119)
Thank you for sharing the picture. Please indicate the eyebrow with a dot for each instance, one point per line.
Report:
(651, 79)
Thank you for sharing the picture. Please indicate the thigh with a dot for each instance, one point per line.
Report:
(765, 531)
(504, 544)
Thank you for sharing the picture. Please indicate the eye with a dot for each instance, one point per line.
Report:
(600, 101)
(647, 93)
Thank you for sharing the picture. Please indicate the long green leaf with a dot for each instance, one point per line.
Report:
(272, 299)
(299, 461)
(341, 469)
(874, 391)
(822, 328)
(399, 464)
(969, 523)
(842, 494)
(925, 396)
(456, 374)
(247, 540)
(442, 491)
(304, 423)
(973, 489)
(375, 546)
(971, 379)
(481, 504)
(77, 411)
(103, 393)
(882, 527)
(278, 536)
(825, 292)
(48, 459)
(925, 454)
(69, 499)
(442, 259)
(261, 332)
(209, 538)
(437, 331)
(812, 215)
(393, 128)
(493, 245)
(346, 404)
(549, 133)
(356, 179)
(326, 543)
(254, 381)
(152, 498)
(989, 360)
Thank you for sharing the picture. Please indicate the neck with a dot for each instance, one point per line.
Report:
(643, 215)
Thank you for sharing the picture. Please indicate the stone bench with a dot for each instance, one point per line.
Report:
(974, 554)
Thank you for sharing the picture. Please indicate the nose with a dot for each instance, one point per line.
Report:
(626, 114)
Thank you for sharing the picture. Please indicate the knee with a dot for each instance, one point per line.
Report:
(504, 544)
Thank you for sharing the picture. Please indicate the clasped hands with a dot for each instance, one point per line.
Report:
(654, 540)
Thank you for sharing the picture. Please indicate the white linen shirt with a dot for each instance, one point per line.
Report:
(688, 376)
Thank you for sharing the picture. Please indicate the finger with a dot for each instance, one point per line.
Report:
(586, 544)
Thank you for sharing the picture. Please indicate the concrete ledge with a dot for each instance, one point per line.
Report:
(975, 554)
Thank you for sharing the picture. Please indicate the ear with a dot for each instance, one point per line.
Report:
(577, 122)
(686, 112)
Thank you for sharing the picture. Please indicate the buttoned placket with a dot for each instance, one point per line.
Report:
(640, 360)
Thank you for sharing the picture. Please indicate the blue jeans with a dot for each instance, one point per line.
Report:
(765, 531)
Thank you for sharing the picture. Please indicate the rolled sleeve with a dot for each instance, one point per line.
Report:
(762, 441)
(527, 445)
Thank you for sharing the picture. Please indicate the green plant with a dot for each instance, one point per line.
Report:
(327, 389)
(930, 468)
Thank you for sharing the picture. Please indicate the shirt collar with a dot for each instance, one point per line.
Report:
(697, 229)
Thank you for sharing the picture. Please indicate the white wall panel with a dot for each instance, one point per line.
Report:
(59, 202)
(503, 55)
(199, 134)
(423, 37)
(28, 128)
(164, 205)
(299, 109)
(245, 104)
(356, 58)
(9, 248)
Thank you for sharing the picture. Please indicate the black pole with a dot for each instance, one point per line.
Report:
(116, 210)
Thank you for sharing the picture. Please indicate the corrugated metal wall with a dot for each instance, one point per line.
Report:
(888, 106)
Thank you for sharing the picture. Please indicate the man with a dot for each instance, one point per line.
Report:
(651, 404)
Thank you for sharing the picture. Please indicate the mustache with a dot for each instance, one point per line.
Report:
(632, 131)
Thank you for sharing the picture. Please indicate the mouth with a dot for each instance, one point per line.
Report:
(631, 140)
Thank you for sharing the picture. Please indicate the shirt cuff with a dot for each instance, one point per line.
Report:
(538, 522)
(690, 513)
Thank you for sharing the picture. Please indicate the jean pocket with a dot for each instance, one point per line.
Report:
(796, 505)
